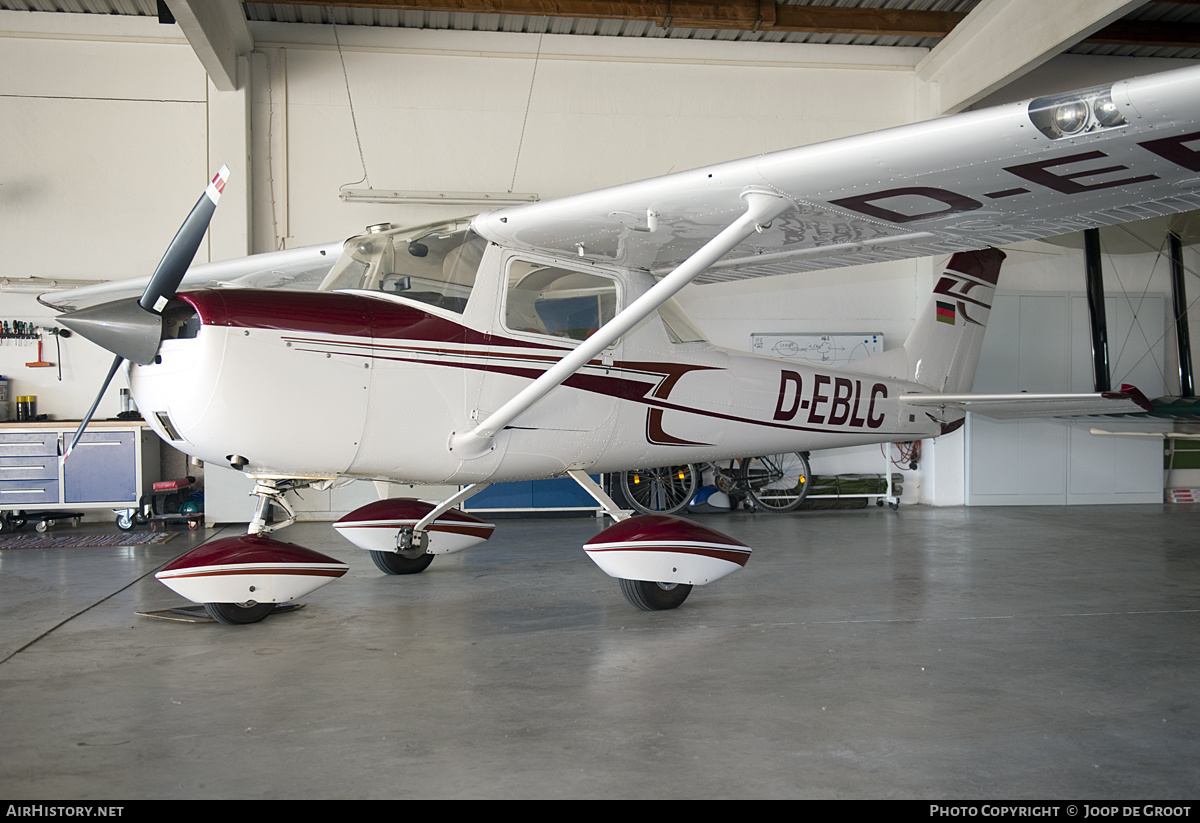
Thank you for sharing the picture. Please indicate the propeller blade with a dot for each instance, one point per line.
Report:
(179, 254)
(136, 331)
(133, 330)
(87, 418)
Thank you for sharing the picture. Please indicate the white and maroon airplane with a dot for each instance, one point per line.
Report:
(543, 341)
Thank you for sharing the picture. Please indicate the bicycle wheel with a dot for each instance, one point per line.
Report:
(660, 491)
(777, 482)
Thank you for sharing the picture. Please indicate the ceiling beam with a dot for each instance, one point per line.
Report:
(739, 15)
(996, 44)
(218, 34)
(756, 15)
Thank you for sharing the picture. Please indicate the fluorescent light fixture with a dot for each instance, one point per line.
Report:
(446, 198)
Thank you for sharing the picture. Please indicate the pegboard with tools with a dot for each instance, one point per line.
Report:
(19, 331)
(24, 332)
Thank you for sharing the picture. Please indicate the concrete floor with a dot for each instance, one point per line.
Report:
(926, 653)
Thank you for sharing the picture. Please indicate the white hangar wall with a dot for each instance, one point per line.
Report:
(102, 126)
(553, 115)
(110, 129)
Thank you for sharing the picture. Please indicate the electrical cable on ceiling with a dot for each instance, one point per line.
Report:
(353, 119)
(528, 100)
(278, 242)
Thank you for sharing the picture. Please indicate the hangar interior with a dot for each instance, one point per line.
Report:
(950, 649)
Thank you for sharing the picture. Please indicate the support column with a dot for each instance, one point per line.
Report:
(229, 143)
(1095, 299)
(1183, 338)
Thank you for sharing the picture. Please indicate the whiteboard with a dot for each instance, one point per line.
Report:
(833, 350)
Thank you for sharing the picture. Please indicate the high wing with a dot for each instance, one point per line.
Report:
(993, 177)
(1049, 166)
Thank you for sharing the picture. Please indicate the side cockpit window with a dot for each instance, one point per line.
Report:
(435, 265)
(546, 299)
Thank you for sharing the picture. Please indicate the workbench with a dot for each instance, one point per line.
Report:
(113, 465)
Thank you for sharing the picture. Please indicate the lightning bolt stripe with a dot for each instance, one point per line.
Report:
(353, 325)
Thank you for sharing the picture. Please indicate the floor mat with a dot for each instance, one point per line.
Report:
(83, 541)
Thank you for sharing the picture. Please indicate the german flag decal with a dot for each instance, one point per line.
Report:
(945, 312)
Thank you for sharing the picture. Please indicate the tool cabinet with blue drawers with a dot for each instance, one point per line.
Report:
(111, 467)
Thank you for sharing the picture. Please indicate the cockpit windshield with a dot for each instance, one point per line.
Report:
(434, 264)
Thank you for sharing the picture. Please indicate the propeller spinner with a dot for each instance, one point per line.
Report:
(132, 330)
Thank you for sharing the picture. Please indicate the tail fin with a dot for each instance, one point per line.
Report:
(942, 350)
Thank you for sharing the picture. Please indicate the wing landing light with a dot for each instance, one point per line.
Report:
(133, 331)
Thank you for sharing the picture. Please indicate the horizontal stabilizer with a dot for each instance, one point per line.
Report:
(1025, 404)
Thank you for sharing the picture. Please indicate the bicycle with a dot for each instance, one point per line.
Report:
(774, 483)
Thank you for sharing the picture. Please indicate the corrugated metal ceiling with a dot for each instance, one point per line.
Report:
(1160, 28)
(584, 26)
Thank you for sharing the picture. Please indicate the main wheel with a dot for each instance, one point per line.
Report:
(655, 597)
(777, 482)
(393, 563)
(126, 520)
(660, 491)
(234, 614)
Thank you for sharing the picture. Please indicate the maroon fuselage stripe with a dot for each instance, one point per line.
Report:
(372, 319)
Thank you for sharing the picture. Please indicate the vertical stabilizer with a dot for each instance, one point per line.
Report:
(942, 350)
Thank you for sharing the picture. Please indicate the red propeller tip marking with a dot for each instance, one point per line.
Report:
(218, 184)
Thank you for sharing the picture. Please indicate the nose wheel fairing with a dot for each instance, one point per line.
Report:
(249, 569)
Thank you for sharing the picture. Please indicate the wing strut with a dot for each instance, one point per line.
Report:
(761, 208)
(598, 494)
(448, 504)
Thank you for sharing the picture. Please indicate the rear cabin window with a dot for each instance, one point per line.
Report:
(544, 299)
